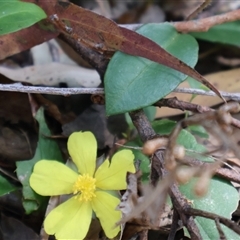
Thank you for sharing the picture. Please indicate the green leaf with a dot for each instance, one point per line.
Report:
(224, 33)
(198, 130)
(16, 15)
(195, 84)
(133, 82)
(46, 149)
(164, 126)
(5, 186)
(222, 199)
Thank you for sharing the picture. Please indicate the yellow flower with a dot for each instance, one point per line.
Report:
(90, 188)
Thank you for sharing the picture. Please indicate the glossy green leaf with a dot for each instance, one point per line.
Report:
(5, 186)
(46, 149)
(16, 15)
(228, 33)
(222, 199)
(133, 82)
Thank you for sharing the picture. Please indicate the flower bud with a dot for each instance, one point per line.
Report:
(153, 145)
(184, 174)
(179, 152)
(202, 184)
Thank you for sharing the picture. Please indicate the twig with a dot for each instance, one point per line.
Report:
(200, 8)
(229, 96)
(182, 105)
(105, 8)
(221, 172)
(227, 222)
(18, 87)
(8, 174)
(201, 25)
(174, 225)
(220, 231)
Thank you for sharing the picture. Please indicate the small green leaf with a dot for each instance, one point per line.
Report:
(164, 126)
(195, 84)
(16, 15)
(133, 82)
(228, 33)
(46, 149)
(5, 186)
(198, 130)
(222, 199)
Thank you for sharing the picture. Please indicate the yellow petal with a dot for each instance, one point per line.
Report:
(82, 147)
(104, 206)
(114, 177)
(70, 220)
(51, 178)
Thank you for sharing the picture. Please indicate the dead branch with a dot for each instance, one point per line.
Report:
(18, 87)
(182, 105)
(203, 25)
(174, 226)
(146, 132)
(187, 106)
(200, 8)
(220, 231)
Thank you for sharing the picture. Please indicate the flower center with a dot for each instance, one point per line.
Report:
(85, 187)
